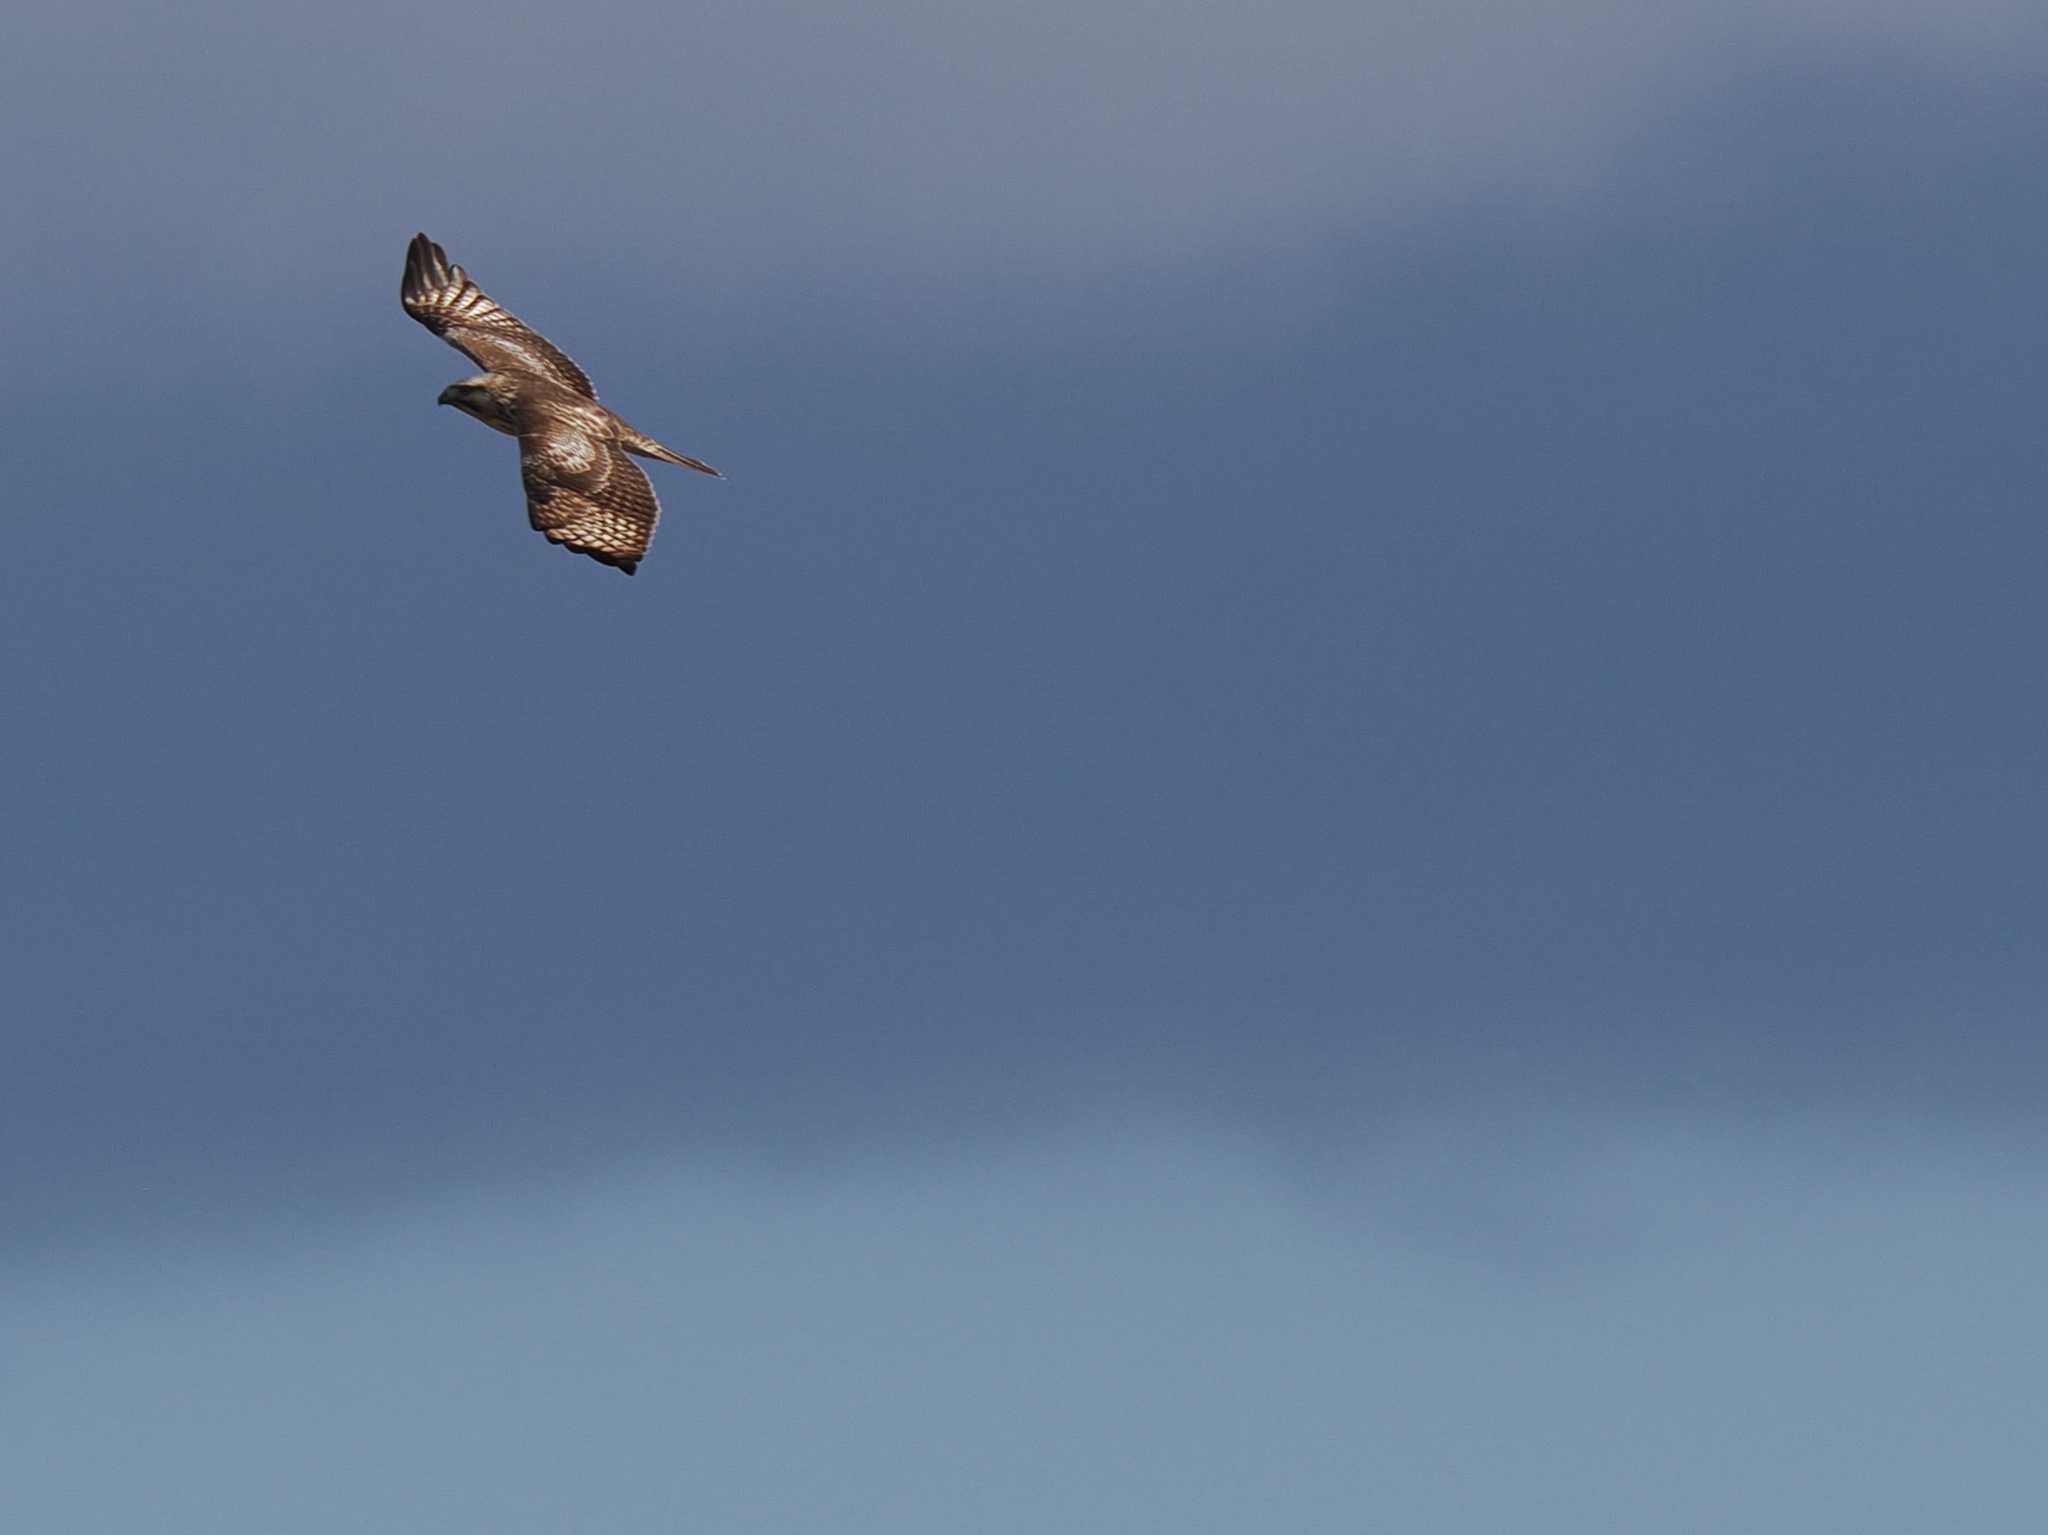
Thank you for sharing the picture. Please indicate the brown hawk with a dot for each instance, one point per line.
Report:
(582, 490)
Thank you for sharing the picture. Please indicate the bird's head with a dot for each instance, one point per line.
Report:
(483, 398)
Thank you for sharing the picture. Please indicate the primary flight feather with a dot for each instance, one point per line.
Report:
(582, 491)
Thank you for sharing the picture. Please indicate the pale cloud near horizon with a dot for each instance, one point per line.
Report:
(1125, 1326)
(907, 155)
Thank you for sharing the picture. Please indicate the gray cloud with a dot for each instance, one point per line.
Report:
(1571, 653)
(908, 156)
(1581, 655)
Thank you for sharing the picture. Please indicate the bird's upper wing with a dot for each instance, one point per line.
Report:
(586, 495)
(446, 300)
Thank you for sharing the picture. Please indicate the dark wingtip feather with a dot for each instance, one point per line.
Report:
(426, 268)
(416, 258)
(625, 564)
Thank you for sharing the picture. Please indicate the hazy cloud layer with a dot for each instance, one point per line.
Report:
(914, 156)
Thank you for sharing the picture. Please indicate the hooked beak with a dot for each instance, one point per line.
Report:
(447, 396)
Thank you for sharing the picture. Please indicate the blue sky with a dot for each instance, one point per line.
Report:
(1338, 823)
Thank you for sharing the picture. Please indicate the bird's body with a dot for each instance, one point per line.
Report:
(582, 490)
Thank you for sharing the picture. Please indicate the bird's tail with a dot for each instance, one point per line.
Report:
(635, 441)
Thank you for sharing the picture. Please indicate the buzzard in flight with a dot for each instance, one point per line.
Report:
(582, 490)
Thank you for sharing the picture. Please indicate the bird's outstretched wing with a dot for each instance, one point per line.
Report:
(446, 300)
(586, 495)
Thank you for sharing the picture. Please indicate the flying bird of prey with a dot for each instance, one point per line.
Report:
(582, 490)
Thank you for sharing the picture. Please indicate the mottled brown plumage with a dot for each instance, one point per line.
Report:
(582, 491)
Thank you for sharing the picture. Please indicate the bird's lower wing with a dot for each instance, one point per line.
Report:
(588, 496)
